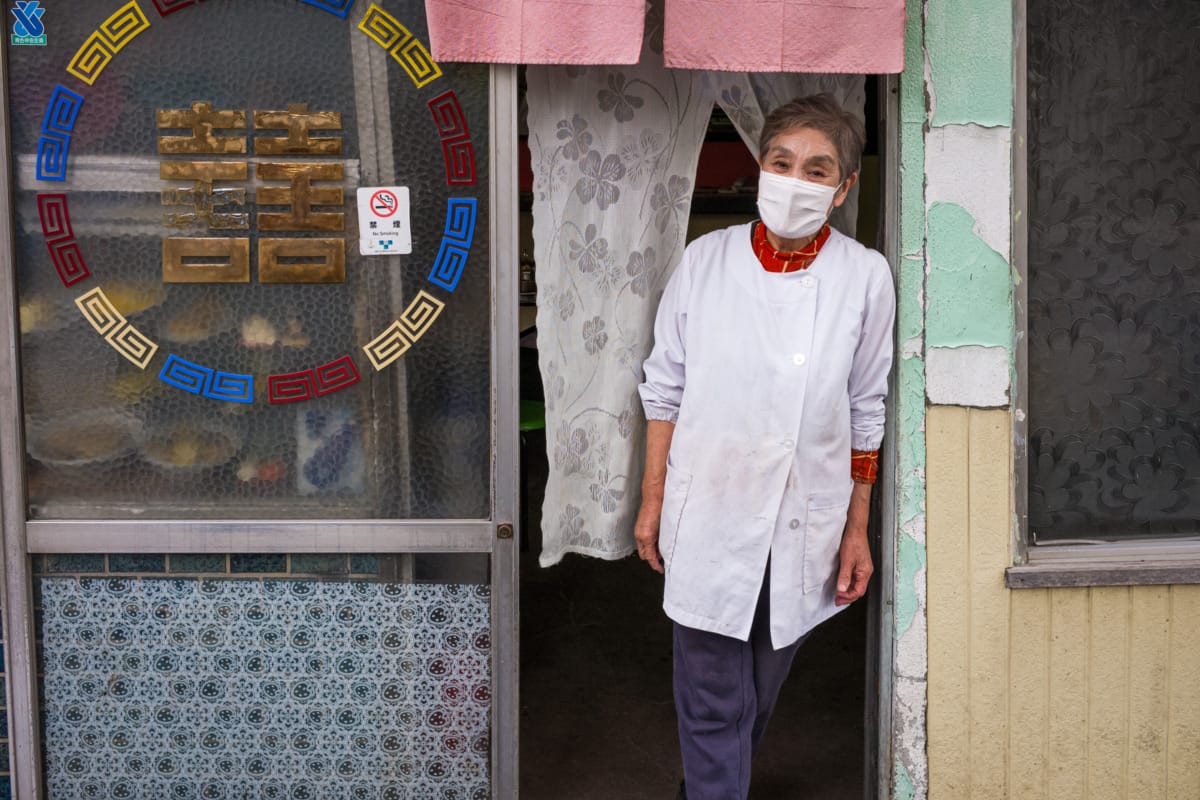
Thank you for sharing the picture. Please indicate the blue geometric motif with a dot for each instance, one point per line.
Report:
(456, 242)
(339, 8)
(55, 141)
(207, 382)
(185, 689)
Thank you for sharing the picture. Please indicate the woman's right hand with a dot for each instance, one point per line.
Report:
(645, 532)
(654, 483)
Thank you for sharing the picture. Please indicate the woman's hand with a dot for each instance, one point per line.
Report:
(654, 483)
(645, 531)
(854, 556)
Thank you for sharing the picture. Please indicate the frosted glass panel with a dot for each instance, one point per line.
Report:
(201, 336)
(1114, 251)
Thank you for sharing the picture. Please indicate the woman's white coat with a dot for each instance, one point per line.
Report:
(770, 380)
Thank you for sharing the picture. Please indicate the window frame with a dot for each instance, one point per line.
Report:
(1131, 562)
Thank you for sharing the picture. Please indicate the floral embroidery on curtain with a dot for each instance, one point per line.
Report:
(614, 153)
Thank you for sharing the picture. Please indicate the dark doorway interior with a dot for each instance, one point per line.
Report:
(597, 720)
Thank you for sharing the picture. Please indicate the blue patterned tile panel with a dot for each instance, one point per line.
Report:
(197, 562)
(364, 564)
(136, 562)
(72, 562)
(258, 562)
(186, 688)
(319, 564)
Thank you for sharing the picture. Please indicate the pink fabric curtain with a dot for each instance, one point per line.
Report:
(861, 36)
(536, 31)
(825, 36)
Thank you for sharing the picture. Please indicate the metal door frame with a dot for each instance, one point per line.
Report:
(496, 536)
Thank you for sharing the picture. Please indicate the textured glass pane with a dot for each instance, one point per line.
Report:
(200, 334)
(214, 688)
(1114, 290)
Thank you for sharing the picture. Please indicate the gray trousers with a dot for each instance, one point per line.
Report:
(725, 691)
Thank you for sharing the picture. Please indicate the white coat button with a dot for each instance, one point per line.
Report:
(789, 444)
(799, 359)
(794, 524)
(808, 281)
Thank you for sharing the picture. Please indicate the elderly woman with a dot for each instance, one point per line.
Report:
(764, 395)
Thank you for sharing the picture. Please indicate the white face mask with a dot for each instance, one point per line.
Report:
(792, 208)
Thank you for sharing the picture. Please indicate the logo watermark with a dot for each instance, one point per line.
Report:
(27, 27)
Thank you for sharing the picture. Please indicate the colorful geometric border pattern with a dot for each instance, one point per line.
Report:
(108, 40)
(54, 147)
(165, 7)
(60, 239)
(99, 311)
(57, 126)
(402, 334)
(206, 381)
(406, 49)
(456, 243)
(293, 387)
(457, 150)
(339, 8)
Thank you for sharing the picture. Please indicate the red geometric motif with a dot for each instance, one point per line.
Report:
(294, 387)
(60, 239)
(171, 6)
(456, 139)
(336, 375)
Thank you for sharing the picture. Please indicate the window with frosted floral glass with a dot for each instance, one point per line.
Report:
(1114, 270)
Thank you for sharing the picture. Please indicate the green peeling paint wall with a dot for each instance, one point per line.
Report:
(909, 402)
(952, 290)
(970, 49)
(969, 285)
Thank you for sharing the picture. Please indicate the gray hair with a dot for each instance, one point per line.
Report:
(821, 113)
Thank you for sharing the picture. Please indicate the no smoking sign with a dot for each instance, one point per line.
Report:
(383, 221)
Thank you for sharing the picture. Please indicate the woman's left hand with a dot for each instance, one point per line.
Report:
(854, 557)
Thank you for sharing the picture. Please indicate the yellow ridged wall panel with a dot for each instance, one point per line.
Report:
(1067, 680)
(1028, 760)
(1044, 694)
(949, 609)
(1183, 696)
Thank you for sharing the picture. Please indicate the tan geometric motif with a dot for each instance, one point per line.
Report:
(387, 346)
(127, 340)
(420, 314)
(133, 344)
(99, 311)
(404, 332)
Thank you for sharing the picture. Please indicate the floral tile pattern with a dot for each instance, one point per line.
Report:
(204, 688)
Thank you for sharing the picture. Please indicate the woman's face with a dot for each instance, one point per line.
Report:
(808, 155)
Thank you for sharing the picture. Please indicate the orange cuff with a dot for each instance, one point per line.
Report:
(864, 465)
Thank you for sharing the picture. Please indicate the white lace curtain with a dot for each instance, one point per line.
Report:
(614, 154)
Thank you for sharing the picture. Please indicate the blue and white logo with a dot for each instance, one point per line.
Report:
(27, 27)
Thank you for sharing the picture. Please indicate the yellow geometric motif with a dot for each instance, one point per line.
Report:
(406, 49)
(133, 344)
(116, 32)
(127, 340)
(404, 332)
